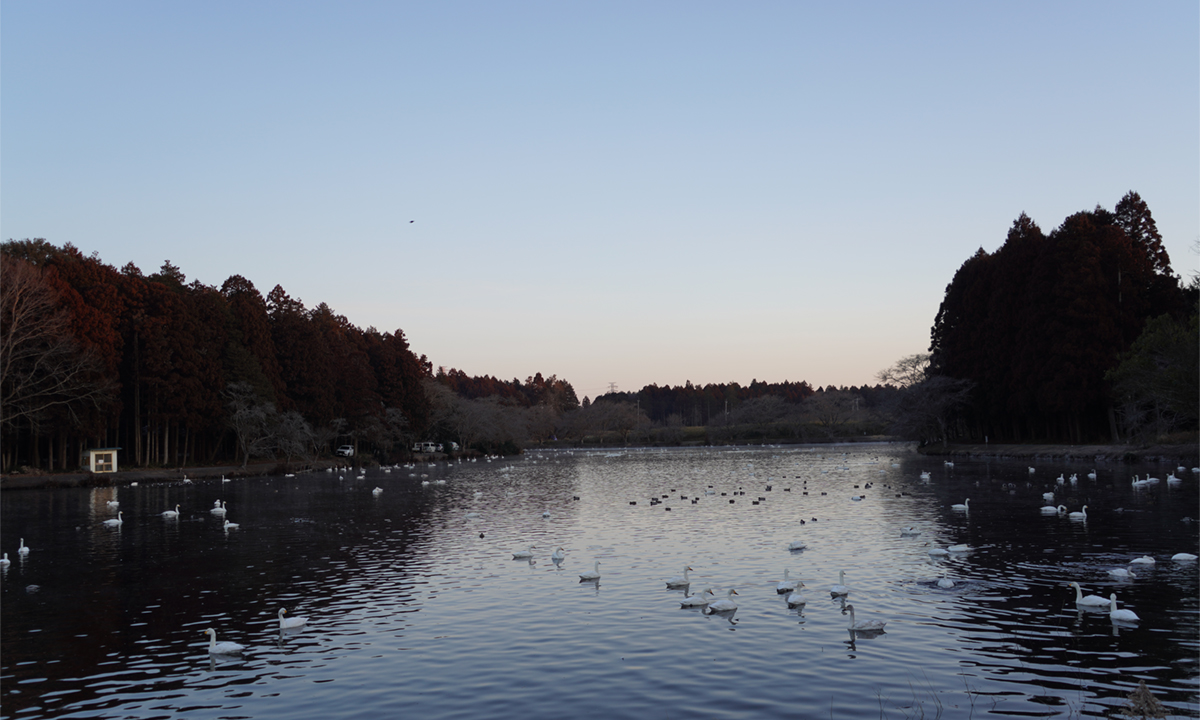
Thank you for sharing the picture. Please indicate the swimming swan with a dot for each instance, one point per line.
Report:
(593, 574)
(289, 623)
(797, 545)
(725, 604)
(230, 526)
(1086, 600)
(796, 599)
(1122, 573)
(171, 513)
(680, 581)
(1143, 560)
(786, 585)
(223, 648)
(1183, 557)
(1051, 510)
(1081, 515)
(945, 582)
(698, 600)
(867, 625)
(965, 505)
(558, 555)
(523, 554)
(4, 561)
(114, 522)
(840, 588)
(218, 508)
(1115, 614)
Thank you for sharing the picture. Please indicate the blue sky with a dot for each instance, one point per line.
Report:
(610, 192)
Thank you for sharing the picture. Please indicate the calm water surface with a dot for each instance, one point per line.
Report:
(417, 609)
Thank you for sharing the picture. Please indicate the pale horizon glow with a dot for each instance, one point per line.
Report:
(628, 193)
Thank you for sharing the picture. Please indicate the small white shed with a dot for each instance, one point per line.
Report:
(103, 460)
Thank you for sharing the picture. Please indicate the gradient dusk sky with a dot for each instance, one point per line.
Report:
(612, 192)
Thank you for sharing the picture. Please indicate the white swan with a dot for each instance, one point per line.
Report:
(725, 604)
(223, 648)
(593, 574)
(4, 561)
(558, 555)
(925, 475)
(680, 580)
(230, 526)
(1086, 600)
(114, 522)
(1048, 496)
(1183, 557)
(961, 548)
(1143, 560)
(377, 491)
(698, 600)
(1051, 510)
(965, 505)
(945, 582)
(218, 508)
(524, 554)
(114, 504)
(840, 588)
(867, 625)
(786, 585)
(1081, 515)
(909, 531)
(1122, 574)
(288, 623)
(1115, 614)
(796, 598)
(938, 552)
(171, 513)
(797, 545)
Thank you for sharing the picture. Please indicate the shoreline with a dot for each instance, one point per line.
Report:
(1183, 455)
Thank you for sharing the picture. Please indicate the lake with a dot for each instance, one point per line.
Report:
(417, 608)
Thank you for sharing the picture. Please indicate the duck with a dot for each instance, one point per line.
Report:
(681, 581)
(230, 526)
(1115, 614)
(1122, 574)
(1143, 560)
(1081, 515)
(112, 522)
(523, 554)
(839, 589)
(796, 598)
(593, 574)
(171, 513)
(1086, 600)
(698, 600)
(964, 506)
(725, 604)
(222, 648)
(786, 585)
(797, 545)
(545, 513)
(558, 555)
(289, 623)
(1183, 557)
(867, 625)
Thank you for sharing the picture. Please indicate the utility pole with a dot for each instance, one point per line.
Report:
(612, 387)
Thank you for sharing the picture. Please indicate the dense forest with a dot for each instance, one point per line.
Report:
(1045, 334)
(1083, 334)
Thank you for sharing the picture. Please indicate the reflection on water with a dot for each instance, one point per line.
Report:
(417, 606)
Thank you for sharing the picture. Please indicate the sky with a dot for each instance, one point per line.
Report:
(616, 193)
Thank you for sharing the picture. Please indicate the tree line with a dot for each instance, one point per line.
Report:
(1082, 334)
(1045, 338)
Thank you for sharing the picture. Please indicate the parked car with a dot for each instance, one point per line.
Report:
(345, 451)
